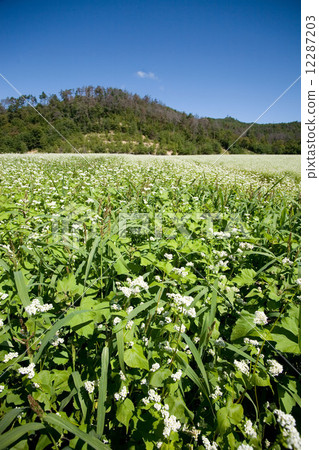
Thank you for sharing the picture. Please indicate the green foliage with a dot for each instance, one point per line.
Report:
(114, 121)
(184, 330)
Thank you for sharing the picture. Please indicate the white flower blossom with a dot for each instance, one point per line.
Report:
(27, 370)
(122, 376)
(35, 307)
(116, 321)
(180, 271)
(242, 366)
(252, 342)
(155, 367)
(290, 432)
(168, 256)
(10, 356)
(177, 376)
(89, 386)
(122, 394)
(245, 447)
(217, 393)
(275, 368)
(209, 445)
(1, 388)
(129, 324)
(260, 318)
(249, 429)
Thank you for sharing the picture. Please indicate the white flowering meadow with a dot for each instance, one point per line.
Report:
(148, 303)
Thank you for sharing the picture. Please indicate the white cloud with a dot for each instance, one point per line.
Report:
(150, 75)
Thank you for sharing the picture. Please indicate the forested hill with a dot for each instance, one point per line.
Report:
(115, 121)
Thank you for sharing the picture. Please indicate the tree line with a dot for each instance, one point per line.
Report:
(98, 119)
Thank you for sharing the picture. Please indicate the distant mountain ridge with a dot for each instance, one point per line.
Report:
(109, 120)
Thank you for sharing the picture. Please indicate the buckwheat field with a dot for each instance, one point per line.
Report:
(149, 302)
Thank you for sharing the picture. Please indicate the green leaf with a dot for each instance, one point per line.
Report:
(133, 314)
(102, 392)
(22, 288)
(9, 418)
(51, 333)
(198, 359)
(120, 349)
(230, 414)
(157, 378)
(243, 326)
(245, 278)
(10, 437)
(124, 412)
(55, 420)
(90, 258)
(134, 357)
(78, 383)
(260, 379)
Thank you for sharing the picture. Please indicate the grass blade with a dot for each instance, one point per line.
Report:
(9, 418)
(90, 258)
(102, 391)
(22, 288)
(197, 358)
(55, 420)
(80, 387)
(51, 333)
(120, 349)
(10, 437)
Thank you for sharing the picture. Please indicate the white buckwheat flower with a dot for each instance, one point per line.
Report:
(35, 307)
(249, 430)
(260, 318)
(116, 321)
(253, 342)
(168, 256)
(10, 356)
(217, 393)
(89, 386)
(242, 366)
(177, 376)
(1, 323)
(122, 394)
(275, 368)
(155, 367)
(1, 388)
(209, 445)
(245, 447)
(27, 370)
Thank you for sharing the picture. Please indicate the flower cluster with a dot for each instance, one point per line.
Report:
(209, 445)
(177, 376)
(252, 342)
(260, 318)
(275, 368)
(242, 366)
(122, 394)
(249, 429)
(290, 432)
(134, 286)
(180, 271)
(28, 370)
(89, 386)
(217, 393)
(183, 304)
(155, 367)
(10, 356)
(57, 340)
(35, 307)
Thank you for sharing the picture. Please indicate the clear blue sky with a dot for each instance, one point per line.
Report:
(205, 57)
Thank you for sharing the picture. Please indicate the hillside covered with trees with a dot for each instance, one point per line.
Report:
(115, 121)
